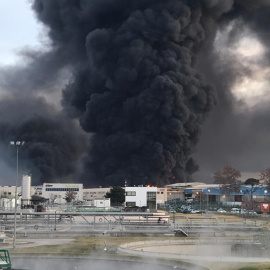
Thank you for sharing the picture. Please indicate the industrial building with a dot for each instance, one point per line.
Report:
(56, 192)
(161, 195)
(200, 192)
(90, 194)
(141, 197)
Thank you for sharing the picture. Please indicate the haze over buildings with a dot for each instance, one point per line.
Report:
(145, 92)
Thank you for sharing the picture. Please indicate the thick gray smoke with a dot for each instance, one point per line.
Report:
(234, 133)
(135, 88)
(52, 144)
(135, 84)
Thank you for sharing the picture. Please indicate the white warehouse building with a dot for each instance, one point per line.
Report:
(141, 197)
(56, 192)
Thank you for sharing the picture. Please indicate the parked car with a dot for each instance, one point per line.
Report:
(235, 210)
(220, 210)
(194, 211)
(251, 212)
(172, 211)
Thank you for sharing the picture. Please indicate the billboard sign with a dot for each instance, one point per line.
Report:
(265, 207)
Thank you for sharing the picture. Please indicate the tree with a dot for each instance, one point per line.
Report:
(117, 195)
(254, 183)
(70, 196)
(265, 176)
(35, 199)
(53, 198)
(228, 180)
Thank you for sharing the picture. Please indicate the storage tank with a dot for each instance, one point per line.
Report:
(26, 190)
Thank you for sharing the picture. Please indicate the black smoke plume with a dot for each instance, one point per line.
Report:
(140, 77)
(52, 146)
(135, 88)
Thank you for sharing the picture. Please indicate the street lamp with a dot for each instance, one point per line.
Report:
(16, 144)
(55, 220)
(208, 191)
(199, 194)
(265, 192)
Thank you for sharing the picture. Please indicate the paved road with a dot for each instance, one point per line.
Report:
(21, 243)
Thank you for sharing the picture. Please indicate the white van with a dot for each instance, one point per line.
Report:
(235, 210)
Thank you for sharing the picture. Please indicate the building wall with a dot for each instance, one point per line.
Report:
(175, 195)
(37, 190)
(56, 192)
(8, 191)
(161, 195)
(137, 196)
(94, 193)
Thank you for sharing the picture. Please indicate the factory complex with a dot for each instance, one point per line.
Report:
(149, 197)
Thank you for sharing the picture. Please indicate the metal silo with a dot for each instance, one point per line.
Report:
(26, 190)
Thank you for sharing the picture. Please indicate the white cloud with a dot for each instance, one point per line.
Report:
(252, 86)
(249, 47)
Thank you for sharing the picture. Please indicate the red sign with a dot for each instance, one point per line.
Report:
(265, 207)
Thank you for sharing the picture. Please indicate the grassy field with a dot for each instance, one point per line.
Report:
(83, 246)
(90, 246)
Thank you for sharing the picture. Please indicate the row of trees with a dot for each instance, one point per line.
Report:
(228, 179)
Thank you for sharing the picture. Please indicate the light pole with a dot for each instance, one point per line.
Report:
(208, 191)
(199, 194)
(16, 144)
(265, 192)
(55, 220)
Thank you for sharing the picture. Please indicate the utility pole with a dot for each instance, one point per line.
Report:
(55, 220)
(16, 144)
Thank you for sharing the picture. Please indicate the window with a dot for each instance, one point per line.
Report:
(151, 200)
(151, 196)
(62, 189)
(131, 193)
(238, 198)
